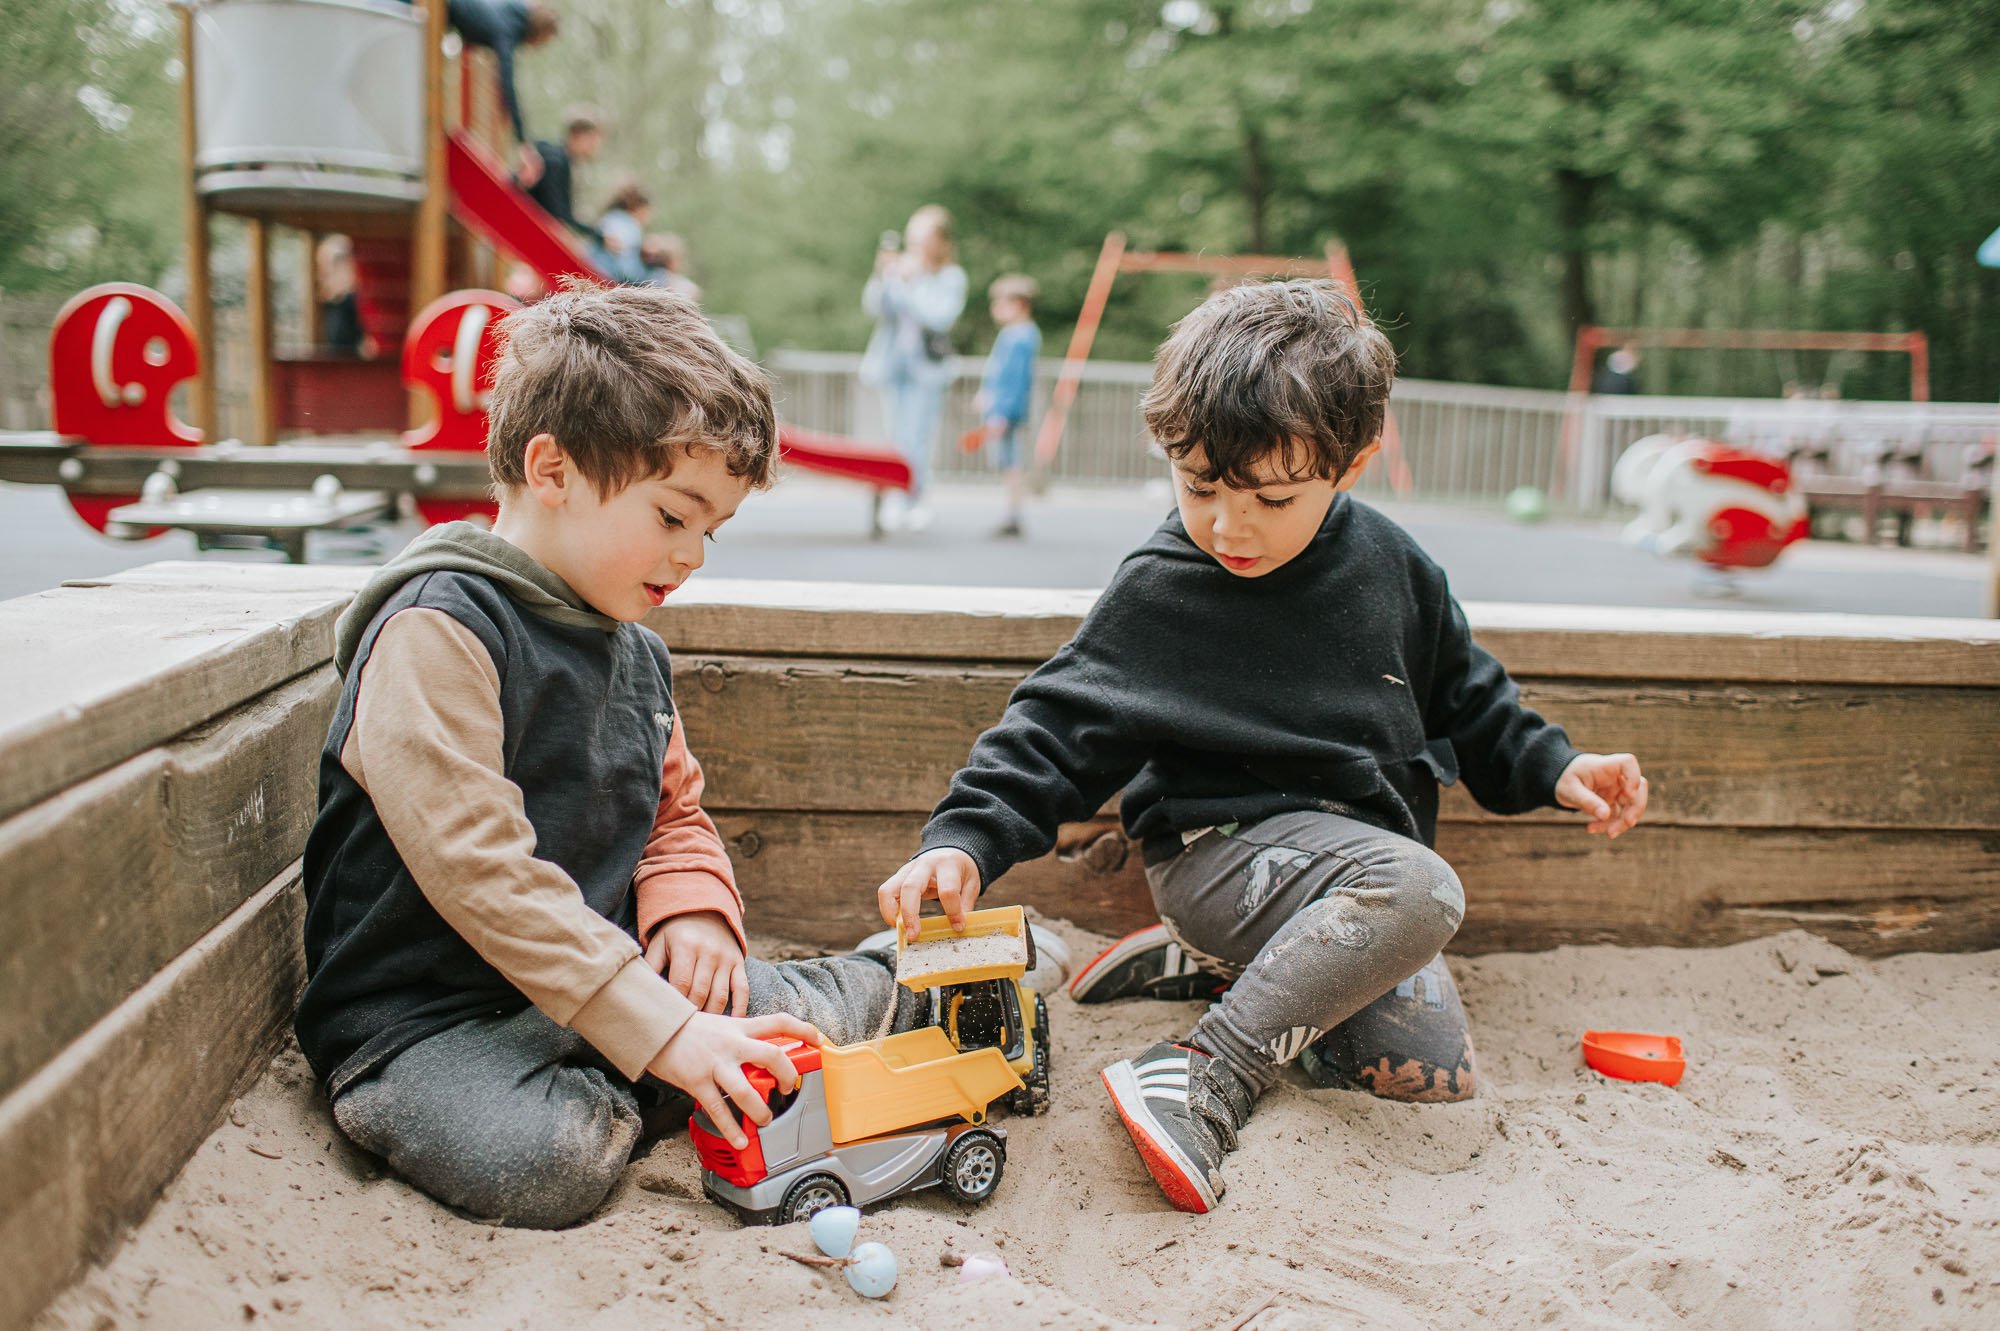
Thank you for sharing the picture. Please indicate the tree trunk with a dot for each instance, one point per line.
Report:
(1257, 187)
(1575, 195)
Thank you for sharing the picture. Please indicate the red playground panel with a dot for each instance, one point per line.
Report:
(115, 357)
(872, 464)
(450, 351)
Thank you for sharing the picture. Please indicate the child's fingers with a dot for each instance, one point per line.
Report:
(889, 897)
(738, 1088)
(702, 993)
(717, 1108)
(680, 972)
(776, 1061)
(951, 892)
(656, 951)
(739, 989)
(911, 901)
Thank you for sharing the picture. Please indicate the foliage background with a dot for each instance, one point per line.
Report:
(1500, 169)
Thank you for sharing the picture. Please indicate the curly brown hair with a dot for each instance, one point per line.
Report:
(1292, 369)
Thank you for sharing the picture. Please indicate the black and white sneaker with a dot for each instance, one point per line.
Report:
(1183, 1109)
(1146, 964)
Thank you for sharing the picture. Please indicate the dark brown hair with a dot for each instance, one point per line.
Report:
(627, 379)
(1291, 369)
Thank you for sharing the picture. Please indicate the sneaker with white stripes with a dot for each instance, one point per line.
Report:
(1183, 1109)
(1146, 964)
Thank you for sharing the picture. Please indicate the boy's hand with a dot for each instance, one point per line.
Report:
(1608, 787)
(946, 873)
(699, 955)
(706, 1057)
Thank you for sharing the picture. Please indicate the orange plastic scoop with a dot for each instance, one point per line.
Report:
(1635, 1055)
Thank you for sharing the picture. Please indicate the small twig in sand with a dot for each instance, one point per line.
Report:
(1252, 1315)
(814, 1260)
(268, 1155)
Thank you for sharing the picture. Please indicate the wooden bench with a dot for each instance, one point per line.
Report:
(160, 731)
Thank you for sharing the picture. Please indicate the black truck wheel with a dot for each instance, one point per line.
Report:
(973, 1165)
(1033, 1097)
(810, 1195)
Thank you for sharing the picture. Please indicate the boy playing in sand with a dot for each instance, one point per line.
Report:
(1006, 390)
(1279, 680)
(510, 848)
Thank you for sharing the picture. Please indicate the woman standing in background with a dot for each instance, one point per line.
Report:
(915, 296)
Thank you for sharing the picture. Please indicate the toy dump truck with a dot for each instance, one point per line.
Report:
(872, 1121)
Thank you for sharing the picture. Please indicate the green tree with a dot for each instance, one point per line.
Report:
(88, 134)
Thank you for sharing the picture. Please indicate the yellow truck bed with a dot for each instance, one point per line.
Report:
(903, 1080)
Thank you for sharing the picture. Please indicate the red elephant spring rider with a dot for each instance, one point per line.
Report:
(116, 355)
(450, 350)
(1697, 498)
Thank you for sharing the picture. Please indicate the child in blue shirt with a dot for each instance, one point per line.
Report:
(1007, 389)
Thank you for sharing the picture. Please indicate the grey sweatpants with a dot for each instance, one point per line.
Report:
(1320, 920)
(515, 1119)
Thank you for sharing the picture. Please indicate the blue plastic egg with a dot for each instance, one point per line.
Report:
(833, 1229)
(872, 1270)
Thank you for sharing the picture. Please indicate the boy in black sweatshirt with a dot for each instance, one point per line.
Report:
(1279, 680)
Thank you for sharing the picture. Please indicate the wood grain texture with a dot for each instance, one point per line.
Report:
(827, 619)
(97, 673)
(1529, 886)
(113, 878)
(886, 736)
(88, 1142)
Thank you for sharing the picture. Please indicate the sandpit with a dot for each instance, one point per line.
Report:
(1832, 1159)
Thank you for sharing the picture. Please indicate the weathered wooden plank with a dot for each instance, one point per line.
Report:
(1532, 886)
(1529, 885)
(95, 673)
(757, 617)
(114, 877)
(883, 736)
(87, 1143)
(826, 619)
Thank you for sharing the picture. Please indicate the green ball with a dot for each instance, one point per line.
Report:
(1525, 503)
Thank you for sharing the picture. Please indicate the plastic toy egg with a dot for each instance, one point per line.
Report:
(872, 1270)
(979, 1266)
(833, 1229)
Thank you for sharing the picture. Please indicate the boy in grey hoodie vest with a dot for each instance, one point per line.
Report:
(521, 927)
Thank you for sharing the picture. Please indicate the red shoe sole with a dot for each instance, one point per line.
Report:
(1078, 984)
(1180, 1190)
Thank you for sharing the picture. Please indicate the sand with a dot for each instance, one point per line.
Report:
(1832, 1159)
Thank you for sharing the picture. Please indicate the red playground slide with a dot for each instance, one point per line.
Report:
(872, 464)
(485, 199)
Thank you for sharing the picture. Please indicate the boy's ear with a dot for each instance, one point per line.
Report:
(545, 464)
(1349, 477)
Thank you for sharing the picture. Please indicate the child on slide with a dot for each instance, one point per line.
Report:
(1279, 680)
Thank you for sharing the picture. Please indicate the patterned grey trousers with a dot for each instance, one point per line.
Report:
(1331, 930)
(515, 1119)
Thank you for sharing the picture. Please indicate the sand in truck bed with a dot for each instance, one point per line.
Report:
(1831, 1159)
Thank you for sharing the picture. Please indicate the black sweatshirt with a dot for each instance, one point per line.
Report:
(1345, 680)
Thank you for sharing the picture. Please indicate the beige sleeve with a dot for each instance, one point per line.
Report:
(425, 745)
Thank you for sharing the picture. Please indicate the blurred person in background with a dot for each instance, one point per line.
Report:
(665, 258)
(623, 227)
(340, 331)
(916, 294)
(503, 27)
(1007, 389)
(550, 178)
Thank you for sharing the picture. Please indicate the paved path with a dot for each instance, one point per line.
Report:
(815, 529)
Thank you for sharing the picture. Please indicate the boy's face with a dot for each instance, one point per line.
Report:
(625, 554)
(1253, 532)
(1008, 310)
